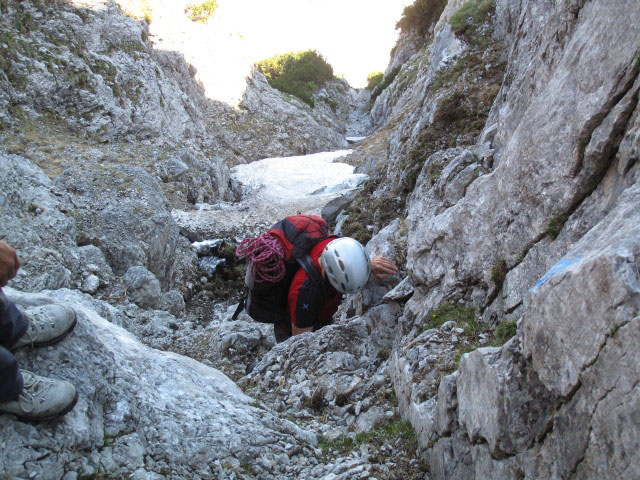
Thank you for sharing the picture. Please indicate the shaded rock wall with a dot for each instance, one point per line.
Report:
(550, 186)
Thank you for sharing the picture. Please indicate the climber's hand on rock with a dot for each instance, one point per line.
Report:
(382, 267)
(9, 263)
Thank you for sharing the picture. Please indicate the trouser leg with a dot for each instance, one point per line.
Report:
(10, 377)
(12, 326)
(282, 330)
(12, 323)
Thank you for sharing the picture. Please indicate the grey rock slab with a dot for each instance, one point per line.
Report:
(400, 292)
(331, 210)
(173, 302)
(143, 288)
(603, 268)
(36, 221)
(138, 407)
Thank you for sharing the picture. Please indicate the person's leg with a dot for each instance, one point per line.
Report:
(13, 324)
(11, 382)
(22, 393)
(282, 330)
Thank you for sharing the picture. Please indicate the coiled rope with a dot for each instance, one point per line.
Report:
(267, 256)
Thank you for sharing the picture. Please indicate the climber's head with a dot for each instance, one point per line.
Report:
(346, 264)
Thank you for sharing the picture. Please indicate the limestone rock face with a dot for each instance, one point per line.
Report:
(94, 68)
(288, 126)
(34, 223)
(542, 191)
(131, 223)
(91, 67)
(525, 211)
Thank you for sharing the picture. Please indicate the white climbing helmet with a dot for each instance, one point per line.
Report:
(346, 264)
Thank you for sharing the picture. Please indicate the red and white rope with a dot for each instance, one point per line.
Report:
(267, 256)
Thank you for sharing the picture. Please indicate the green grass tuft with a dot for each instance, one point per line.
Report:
(460, 313)
(498, 273)
(392, 431)
(555, 225)
(503, 332)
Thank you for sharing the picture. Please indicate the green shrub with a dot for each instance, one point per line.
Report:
(421, 15)
(297, 73)
(469, 18)
(147, 12)
(498, 272)
(503, 332)
(386, 81)
(374, 79)
(201, 12)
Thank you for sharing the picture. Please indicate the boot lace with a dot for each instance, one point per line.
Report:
(34, 391)
(38, 319)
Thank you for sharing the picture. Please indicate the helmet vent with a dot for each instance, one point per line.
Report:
(344, 289)
(346, 277)
(336, 253)
(341, 265)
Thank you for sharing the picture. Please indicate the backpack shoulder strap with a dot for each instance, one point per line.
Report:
(312, 272)
(241, 304)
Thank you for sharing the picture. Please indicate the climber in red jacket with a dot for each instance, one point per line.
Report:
(297, 272)
(344, 267)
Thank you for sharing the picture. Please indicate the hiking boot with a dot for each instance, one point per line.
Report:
(42, 398)
(48, 324)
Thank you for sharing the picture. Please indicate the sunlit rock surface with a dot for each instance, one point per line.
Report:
(503, 179)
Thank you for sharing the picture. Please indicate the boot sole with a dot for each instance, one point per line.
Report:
(53, 341)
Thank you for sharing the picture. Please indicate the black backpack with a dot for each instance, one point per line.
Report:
(265, 301)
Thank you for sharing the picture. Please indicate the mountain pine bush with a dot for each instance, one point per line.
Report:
(201, 12)
(374, 79)
(297, 73)
(420, 16)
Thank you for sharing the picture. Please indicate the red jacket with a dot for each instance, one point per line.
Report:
(309, 306)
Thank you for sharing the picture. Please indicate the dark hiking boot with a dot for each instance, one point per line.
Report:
(42, 398)
(48, 324)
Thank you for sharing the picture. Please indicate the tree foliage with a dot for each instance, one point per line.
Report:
(421, 15)
(374, 79)
(201, 12)
(384, 83)
(297, 73)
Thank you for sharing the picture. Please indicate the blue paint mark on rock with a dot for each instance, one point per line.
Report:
(558, 267)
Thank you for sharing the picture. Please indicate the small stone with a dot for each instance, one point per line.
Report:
(90, 284)
(448, 325)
